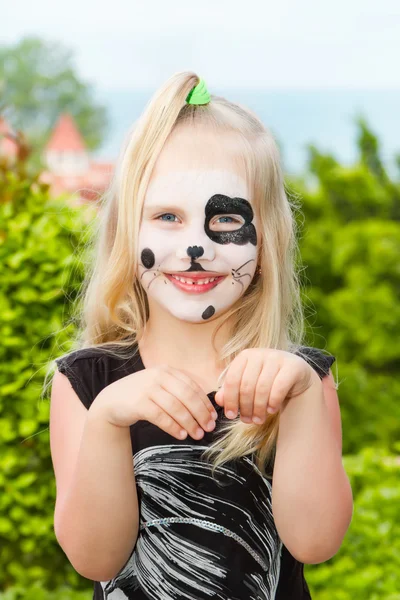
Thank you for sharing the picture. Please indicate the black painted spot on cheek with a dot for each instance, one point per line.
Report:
(148, 258)
(210, 310)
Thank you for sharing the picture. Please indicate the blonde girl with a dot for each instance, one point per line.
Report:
(167, 488)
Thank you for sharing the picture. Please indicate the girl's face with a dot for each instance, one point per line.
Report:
(198, 241)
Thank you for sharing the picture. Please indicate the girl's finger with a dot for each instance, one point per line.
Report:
(186, 402)
(281, 386)
(248, 384)
(219, 397)
(232, 383)
(181, 374)
(162, 418)
(263, 390)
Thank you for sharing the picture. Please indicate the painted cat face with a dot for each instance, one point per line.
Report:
(197, 223)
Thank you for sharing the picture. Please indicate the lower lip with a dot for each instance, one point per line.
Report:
(193, 287)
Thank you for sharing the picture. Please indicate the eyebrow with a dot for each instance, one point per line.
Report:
(163, 207)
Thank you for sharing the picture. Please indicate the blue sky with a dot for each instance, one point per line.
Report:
(244, 44)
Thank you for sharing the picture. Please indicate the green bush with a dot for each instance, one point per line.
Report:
(38, 592)
(39, 239)
(367, 565)
(350, 245)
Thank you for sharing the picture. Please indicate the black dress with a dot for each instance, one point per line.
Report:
(200, 537)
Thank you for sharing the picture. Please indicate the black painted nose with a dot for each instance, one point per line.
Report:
(195, 251)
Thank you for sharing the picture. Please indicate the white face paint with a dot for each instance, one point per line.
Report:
(197, 221)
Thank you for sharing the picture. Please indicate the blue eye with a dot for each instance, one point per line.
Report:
(220, 223)
(166, 215)
(225, 218)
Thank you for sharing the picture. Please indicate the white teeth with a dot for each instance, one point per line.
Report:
(194, 281)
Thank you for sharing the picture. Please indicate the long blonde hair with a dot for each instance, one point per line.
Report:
(113, 307)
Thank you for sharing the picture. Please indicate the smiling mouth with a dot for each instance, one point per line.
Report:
(195, 284)
(195, 280)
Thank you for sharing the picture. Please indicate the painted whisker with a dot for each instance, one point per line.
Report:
(238, 280)
(236, 277)
(154, 278)
(238, 269)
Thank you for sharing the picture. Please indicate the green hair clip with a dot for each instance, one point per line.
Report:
(199, 94)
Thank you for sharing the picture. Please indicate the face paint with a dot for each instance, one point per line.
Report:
(208, 313)
(197, 222)
(148, 258)
(223, 205)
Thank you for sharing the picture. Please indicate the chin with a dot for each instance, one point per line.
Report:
(192, 319)
(199, 319)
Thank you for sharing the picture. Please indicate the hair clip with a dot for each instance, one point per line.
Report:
(199, 94)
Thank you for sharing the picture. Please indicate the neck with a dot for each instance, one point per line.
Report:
(180, 344)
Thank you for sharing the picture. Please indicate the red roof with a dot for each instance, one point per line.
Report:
(66, 136)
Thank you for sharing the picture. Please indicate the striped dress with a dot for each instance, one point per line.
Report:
(200, 536)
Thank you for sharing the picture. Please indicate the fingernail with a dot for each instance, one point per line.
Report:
(214, 414)
(230, 414)
(257, 420)
(246, 419)
(270, 410)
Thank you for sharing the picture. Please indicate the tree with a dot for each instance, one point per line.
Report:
(350, 245)
(37, 83)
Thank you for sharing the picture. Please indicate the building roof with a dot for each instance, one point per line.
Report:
(65, 136)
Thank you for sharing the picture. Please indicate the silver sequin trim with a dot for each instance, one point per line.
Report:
(208, 525)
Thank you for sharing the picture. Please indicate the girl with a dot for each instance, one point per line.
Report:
(166, 488)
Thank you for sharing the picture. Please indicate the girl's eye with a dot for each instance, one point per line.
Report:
(166, 215)
(228, 222)
(232, 219)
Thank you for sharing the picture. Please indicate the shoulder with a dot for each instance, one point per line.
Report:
(92, 364)
(98, 361)
(99, 355)
(90, 370)
(81, 354)
(316, 358)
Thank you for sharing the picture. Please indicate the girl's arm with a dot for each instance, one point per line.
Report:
(96, 519)
(312, 499)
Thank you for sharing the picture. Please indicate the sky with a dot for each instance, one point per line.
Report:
(254, 44)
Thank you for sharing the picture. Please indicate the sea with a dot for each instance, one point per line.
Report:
(326, 118)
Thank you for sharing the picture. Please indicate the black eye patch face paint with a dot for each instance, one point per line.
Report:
(219, 204)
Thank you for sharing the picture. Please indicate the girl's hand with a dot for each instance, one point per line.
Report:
(162, 395)
(260, 380)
